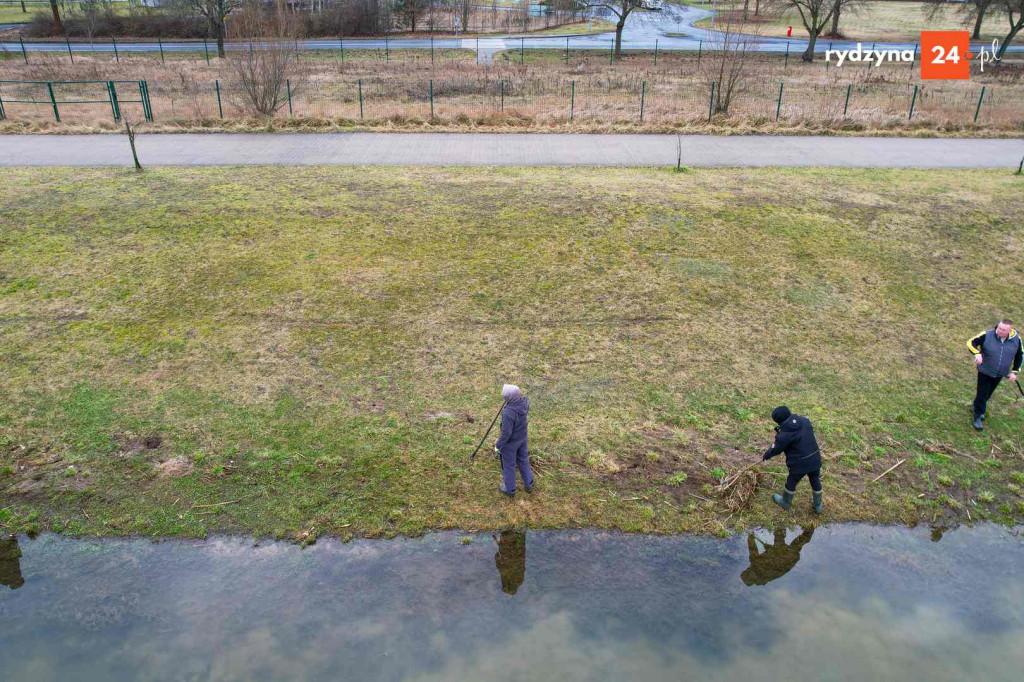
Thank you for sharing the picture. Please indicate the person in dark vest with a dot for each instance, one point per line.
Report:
(997, 354)
(776, 560)
(794, 435)
(510, 559)
(512, 444)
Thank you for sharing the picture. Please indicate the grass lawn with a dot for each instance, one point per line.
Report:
(321, 348)
(11, 14)
(878, 21)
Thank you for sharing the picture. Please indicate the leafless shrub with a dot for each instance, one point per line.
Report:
(262, 76)
(728, 62)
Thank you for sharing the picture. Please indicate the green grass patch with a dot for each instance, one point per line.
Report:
(299, 351)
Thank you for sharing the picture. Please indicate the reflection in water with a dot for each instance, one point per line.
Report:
(776, 560)
(888, 604)
(10, 564)
(511, 560)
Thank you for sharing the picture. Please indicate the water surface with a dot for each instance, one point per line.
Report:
(839, 603)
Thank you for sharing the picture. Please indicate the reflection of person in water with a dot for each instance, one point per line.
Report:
(511, 560)
(776, 560)
(10, 566)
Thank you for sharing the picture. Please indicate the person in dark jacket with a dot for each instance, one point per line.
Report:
(997, 354)
(512, 444)
(795, 437)
(776, 560)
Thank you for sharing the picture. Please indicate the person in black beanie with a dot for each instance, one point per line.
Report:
(795, 437)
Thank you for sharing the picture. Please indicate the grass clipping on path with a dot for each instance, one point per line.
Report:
(323, 347)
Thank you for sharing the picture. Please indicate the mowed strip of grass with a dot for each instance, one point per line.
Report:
(321, 348)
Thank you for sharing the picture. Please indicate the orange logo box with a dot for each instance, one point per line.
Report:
(945, 55)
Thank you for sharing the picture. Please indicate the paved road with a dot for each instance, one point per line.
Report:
(642, 31)
(438, 149)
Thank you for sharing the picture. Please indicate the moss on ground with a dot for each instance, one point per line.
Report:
(321, 348)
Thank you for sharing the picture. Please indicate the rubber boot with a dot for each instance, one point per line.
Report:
(502, 488)
(785, 499)
(816, 501)
(977, 421)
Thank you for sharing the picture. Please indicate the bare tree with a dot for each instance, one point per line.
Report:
(622, 9)
(261, 75)
(840, 6)
(969, 11)
(815, 15)
(130, 132)
(728, 61)
(216, 13)
(1014, 12)
(56, 16)
(409, 10)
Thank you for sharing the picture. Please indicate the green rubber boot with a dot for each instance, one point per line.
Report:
(785, 499)
(816, 501)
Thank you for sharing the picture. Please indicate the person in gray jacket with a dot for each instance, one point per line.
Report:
(997, 354)
(512, 444)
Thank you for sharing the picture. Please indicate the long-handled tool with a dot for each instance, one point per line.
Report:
(487, 433)
(1019, 389)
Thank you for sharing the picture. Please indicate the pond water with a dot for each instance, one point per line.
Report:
(845, 602)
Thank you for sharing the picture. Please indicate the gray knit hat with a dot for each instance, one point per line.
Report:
(510, 392)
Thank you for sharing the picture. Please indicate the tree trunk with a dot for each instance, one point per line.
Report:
(976, 35)
(618, 35)
(56, 16)
(1015, 28)
(811, 40)
(746, 10)
(220, 39)
(757, 7)
(835, 19)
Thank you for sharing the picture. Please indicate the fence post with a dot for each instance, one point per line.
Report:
(478, 50)
(786, 65)
(913, 101)
(914, 58)
(431, 98)
(778, 107)
(700, 49)
(70, 54)
(978, 109)
(521, 43)
(566, 49)
(161, 44)
(431, 50)
(846, 106)
(288, 89)
(144, 92)
(360, 83)
(572, 102)
(114, 43)
(23, 52)
(643, 98)
(112, 94)
(711, 102)
(3, 114)
(387, 50)
(341, 45)
(220, 109)
(53, 101)
(655, 51)
(206, 49)
(501, 85)
(611, 53)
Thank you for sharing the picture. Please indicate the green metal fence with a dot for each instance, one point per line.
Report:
(55, 95)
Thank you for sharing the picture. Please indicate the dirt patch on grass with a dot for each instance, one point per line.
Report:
(175, 467)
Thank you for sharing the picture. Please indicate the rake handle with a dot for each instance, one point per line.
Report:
(487, 433)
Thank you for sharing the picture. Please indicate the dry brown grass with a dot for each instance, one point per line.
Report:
(585, 94)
